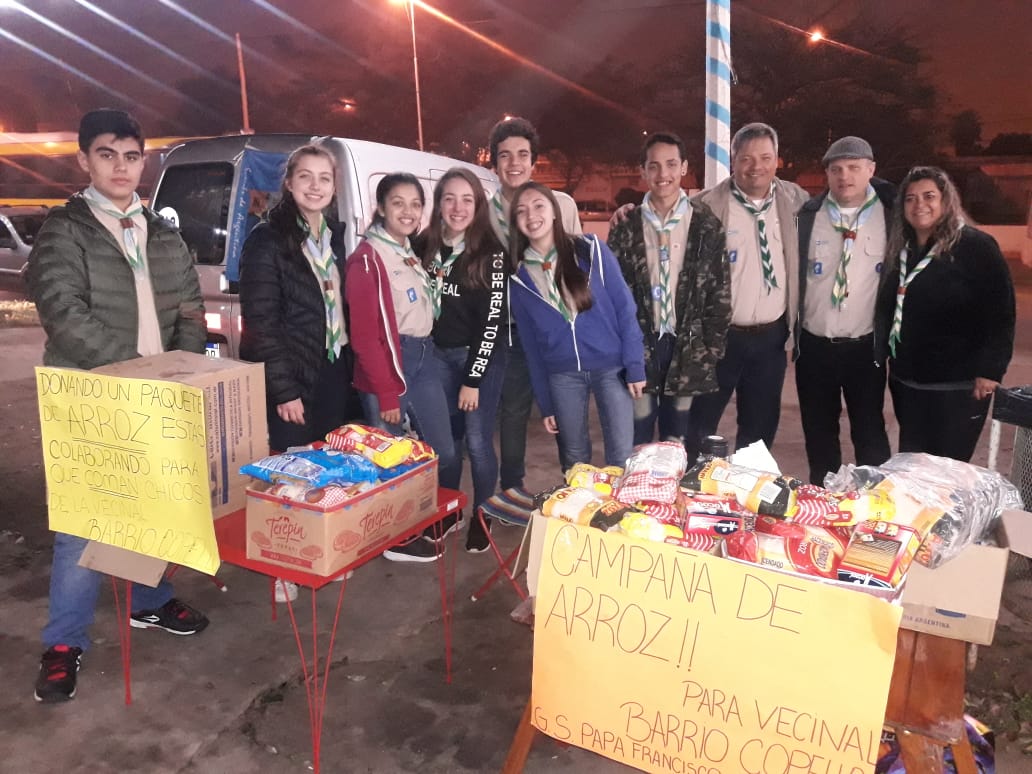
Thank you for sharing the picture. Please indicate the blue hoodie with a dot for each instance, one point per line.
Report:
(605, 336)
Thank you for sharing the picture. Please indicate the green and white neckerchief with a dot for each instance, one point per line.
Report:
(498, 209)
(840, 289)
(320, 255)
(663, 230)
(760, 214)
(130, 241)
(905, 279)
(439, 269)
(379, 233)
(547, 264)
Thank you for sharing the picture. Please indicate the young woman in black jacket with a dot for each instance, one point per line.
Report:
(292, 305)
(466, 264)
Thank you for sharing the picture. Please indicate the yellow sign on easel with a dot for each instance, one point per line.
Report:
(669, 660)
(126, 464)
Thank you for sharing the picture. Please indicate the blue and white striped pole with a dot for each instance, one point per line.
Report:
(718, 91)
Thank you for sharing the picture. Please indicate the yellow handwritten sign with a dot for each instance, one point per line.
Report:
(674, 661)
(126, 464)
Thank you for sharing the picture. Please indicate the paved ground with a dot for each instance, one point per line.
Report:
(232, 700)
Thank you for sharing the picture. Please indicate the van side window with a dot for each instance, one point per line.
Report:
(6, 240)
(200, 194)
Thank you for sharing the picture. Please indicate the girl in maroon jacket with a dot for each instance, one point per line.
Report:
(391, 314)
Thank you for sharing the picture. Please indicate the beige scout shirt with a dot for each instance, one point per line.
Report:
(413, 311)
(678, 242)
(855, 316)
(148, 331)
(543, 285)
(567, 208)
(751, 304)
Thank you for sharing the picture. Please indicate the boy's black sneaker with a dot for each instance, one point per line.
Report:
(439, 531)
(477, 539)
(417, 549)
(174, 616)
(58, 670)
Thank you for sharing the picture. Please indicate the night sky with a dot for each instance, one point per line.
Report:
(978, 55)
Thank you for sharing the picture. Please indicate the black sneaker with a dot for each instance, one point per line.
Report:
(174, 616)
(416, 550)
(58, 669)
(439, 531)
(476, 539)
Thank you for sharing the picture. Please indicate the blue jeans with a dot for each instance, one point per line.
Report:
(424, 401)
(478, 426)
(670, 410)
(570, 392)
(73, 595)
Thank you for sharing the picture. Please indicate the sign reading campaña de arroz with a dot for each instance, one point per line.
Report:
(674, 661)
(126, 464)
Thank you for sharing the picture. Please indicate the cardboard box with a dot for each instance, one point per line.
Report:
(323, 540)
(234, 409)
(961, 598)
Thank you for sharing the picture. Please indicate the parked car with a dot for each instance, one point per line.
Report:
(215, 190)
(18, 228)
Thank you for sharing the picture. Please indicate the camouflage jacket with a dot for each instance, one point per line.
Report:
(702, 301)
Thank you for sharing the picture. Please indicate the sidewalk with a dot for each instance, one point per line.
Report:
(231, 699)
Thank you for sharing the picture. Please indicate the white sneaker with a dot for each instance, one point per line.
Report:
(285, 590)
(346, 576)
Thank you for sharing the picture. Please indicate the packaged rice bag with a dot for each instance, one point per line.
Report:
(804, 550)
(313, 468)
(642, 527)
(819, 507)
(719, 524)
(653, 474)
(758, 491)
(584, 506)
(377, 445)
(589, 477)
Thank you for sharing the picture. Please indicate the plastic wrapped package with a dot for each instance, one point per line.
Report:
(313, 468)
(968, 499)
(653, 474)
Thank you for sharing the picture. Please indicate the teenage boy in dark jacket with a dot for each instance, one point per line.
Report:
(111, 281)
(672, 256)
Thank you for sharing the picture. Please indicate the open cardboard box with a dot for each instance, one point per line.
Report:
(323, 540)
(961, 598)
(236, 433)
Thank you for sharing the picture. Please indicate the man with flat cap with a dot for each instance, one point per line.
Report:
(842, 238)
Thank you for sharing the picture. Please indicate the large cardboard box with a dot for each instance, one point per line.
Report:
(234, 410)
(323, 540)
(961, 598)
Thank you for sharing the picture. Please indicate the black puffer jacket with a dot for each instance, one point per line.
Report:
(284, 316)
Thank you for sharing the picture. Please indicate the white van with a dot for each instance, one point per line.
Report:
(217, 189)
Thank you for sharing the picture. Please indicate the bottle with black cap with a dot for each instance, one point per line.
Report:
(712, 447)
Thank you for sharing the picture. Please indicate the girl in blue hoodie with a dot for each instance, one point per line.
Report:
(578, 323)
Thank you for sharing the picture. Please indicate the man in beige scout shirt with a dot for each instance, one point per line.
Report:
(758, 211)
(111, 281)
(842, 236)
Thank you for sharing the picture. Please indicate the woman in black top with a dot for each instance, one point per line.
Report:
(292, 305)
(946, 314)
(466, 264)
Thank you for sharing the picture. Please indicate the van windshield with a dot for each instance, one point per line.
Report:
(200, 195)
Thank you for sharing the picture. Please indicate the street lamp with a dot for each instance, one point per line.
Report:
(410, 8)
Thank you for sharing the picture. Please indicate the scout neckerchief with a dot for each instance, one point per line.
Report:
(760, 214)
(905, 278)
(663, 231)
(320, 255)
(439, 269)
(840, 289)
(125, 220)
(498, 207)
(547, 264)
(404, 251)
